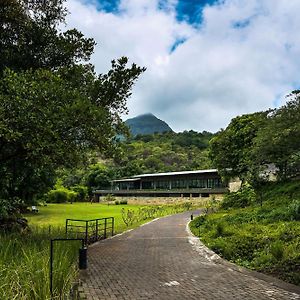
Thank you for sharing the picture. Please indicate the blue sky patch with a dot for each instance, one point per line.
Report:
(191, 10)
(186, 10)
(110, 6)
(177, 43)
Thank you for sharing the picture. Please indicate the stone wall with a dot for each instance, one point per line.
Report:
(169, 200)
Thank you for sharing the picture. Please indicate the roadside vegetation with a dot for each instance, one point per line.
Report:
(263, 236)
(24, 256)
(24, 265)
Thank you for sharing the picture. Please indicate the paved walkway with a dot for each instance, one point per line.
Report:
(160, 260)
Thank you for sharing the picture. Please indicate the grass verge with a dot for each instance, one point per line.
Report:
(264, 238)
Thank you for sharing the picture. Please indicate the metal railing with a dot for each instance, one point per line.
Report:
(91, 230)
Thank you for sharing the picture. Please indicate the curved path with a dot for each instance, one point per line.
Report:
(161, 260)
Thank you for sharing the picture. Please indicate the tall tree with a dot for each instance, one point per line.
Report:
(278, 142)
(53, 108)
(231, 149)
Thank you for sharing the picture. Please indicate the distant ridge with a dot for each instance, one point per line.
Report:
(147, 124)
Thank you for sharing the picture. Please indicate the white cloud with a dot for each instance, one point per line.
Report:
(243, 58)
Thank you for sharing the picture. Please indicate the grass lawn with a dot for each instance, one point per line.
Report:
(56, 214)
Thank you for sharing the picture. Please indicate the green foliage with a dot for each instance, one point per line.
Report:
(7, 208)
(294, 210)
(24, 265)
(277, 250)
(99, 176)
(252, 142)
(130, 216)
(278, 142)
(242, 198)
(31, 38)
(109, 198)
(61, 195)
(81, 192)
(54, 109)
(264, 238)
(231, 149)
(164, 152)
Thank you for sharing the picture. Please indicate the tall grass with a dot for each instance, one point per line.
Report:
(24, 265)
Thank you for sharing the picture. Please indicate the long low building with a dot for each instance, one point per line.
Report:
(200, 183)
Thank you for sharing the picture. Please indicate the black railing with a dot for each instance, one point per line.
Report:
(91, 230)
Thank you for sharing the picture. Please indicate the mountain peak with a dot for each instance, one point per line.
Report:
(147, 124)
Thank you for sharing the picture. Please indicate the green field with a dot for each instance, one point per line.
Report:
(56, 214)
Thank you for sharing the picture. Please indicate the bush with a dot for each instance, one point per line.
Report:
(61, 195)
(277, 250)
(219, 229)
(81, 191)
(240, 199)
(109, 198)
(123, 202)
(294, 210)
(117, 202)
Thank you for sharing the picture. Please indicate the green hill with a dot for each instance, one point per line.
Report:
(147, 124)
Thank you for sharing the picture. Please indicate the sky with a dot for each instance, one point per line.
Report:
(207, 60)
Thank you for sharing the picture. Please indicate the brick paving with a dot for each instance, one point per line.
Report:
(161, 260)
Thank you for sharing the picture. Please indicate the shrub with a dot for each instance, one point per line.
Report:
(61, 195)
(128, 216)
(109, 198)
(240, 199)
(117, 202)
(124, 202)
(294, 210)
(81, 191)
(262, 259)
(222, 247)
(199, 221)
(219, 229)
(277, 250)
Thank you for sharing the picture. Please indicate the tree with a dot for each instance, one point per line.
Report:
(278, 142)
(53, 109)
(231, 150)
(31, 39)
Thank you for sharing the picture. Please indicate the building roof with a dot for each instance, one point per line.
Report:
(138, 177)
(176, 173)
(126, 180)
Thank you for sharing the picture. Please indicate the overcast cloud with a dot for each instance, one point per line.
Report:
(244, 56)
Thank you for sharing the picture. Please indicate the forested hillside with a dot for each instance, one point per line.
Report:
(160, 152)
(165, 152)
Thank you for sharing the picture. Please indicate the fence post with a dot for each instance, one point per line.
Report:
(97, 230)
(67, 226)
(86, 232)
(112, 226)
(105, 223)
